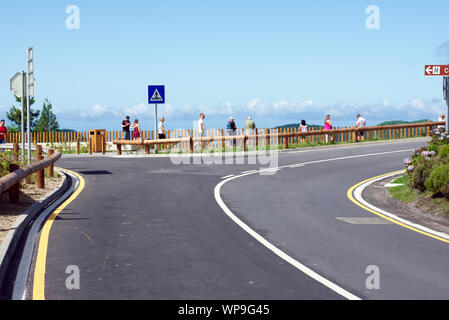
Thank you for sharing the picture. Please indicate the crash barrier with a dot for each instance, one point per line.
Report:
(11, 182)
(110, 136)
(288, 137)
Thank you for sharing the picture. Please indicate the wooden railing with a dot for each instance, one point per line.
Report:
(287, 137)
(11, 182)
(340, 136)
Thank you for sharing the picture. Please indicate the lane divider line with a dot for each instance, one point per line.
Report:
(39, 271)
(355, 195)
(276, 250)
(339, 290)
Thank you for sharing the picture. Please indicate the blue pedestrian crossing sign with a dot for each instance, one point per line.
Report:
(156, 94)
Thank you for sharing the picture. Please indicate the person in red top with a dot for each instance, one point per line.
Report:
(3, 132)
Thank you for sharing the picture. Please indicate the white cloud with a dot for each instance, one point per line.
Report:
(415, 108)
(98, 111)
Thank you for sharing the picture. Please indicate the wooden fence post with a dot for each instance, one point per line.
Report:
(40, 177)
(354, 137)
(119, 149)
(257, 138)
(78, 146)
(51, 169)
(16, 151)
(285, 142)
(191, 144)
(14, 191)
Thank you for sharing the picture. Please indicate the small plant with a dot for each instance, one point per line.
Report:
(420, 174)
(438, 181)
(443, 152)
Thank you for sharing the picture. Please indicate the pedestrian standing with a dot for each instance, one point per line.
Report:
(231, 129)
(360, 124)
(3, 132)
(250, 126)
(442, 118)
(303, 128)
(136, 130)
(202, 129)
(126, 128)
(161, 130)
(327, 127)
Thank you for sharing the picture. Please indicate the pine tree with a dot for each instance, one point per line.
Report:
(47, 121)
(15, 115)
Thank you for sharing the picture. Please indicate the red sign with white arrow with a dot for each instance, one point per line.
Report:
(436, 70)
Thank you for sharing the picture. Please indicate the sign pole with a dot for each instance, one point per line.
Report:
(446, 97)
(30, 92)
(28, 127)
(447, 115)
(155, 127)
(24, 84)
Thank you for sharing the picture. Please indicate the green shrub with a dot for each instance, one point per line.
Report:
(421, 173)
(438, 181)
(444, 151)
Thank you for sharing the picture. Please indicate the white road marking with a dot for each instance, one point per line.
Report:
(362, 221)
(249, 171)
(296, 166)
(393, 185)
(227, 177)
(358, 196)
(309, 272)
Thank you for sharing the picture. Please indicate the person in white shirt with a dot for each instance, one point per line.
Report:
(303, 128)
(440, 119)
(202, 129)
(161, 130)
(361, 123)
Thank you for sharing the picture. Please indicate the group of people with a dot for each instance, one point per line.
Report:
(231, 128)
(328, 125)
(137, 132)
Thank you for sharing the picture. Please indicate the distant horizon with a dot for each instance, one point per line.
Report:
(240, 124)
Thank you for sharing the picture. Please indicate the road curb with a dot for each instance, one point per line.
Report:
(422, 215)
(10, 242)
(355, 194)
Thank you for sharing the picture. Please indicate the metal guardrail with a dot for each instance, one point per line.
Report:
(267, 136)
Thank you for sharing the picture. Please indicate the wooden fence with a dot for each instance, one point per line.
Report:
(11, 182)
(387, 132)
(291, 136)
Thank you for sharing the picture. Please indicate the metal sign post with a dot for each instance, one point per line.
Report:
(30, 91)
(24, 89)
(441, 70)
(446, 97)
(156, 95)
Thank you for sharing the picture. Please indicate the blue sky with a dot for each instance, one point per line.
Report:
(279, 62)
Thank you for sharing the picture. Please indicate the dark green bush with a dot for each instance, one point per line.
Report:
(444, 151)
(421, 173)
(438, 181)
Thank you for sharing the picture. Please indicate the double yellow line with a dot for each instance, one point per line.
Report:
(351, 197)
(39, 271)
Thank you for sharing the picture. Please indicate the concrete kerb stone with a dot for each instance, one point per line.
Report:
(419, 214)
(10, 242)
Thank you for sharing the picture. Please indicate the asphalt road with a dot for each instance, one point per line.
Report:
(151, 229)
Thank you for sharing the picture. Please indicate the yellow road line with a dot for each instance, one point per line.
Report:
(39, 271)
(350, 197)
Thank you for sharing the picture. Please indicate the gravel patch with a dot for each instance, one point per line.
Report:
(28, 195)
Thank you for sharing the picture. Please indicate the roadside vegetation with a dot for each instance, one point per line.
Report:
(426, 182)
